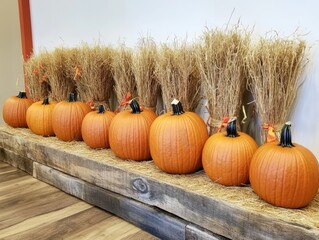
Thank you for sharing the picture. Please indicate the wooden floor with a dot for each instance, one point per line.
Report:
(31, 209)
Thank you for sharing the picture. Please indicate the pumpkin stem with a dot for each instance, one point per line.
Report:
(72, 97)
(135, 106)
(177, 107)
(101, 109)
(45, 101)
(231, 128)
(22, 95)
(285, 136)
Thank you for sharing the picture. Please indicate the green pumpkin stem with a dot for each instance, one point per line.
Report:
(177, 107)
(231, 128)
(22, 95)
(285, 136)
(101, 109)
(45, 101)
(135, 106)
(72, 97)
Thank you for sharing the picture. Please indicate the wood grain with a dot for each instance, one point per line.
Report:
(31, 209)
(210, 213)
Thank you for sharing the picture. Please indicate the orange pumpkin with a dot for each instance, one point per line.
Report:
(129, 133)
(226, 157)
(39, 117)
(177, 140)
(95, 128)
(15, 109)
(67, 118)
(285, 174)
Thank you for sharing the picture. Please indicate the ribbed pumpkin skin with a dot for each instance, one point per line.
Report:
(95, 129)
(67, 120)
(285, 176)
(226, 160)
(177, 141)
(39, 118)
(14, 111)
(129, 134)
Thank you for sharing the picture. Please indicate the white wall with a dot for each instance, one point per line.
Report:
(11, 70)
(70, 22)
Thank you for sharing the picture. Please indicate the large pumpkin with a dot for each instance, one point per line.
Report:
(226, 157)
(177, 140)
(39, 117)
(285, 174)
(67, 118)
(129, 133)
(95, 128)
(15, 109)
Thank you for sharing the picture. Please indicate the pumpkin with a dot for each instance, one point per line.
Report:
(67, 118)
(129, 133)
(39, 117)
(226, 157)
(15, 109)
(177, 139)
(285, 174)
(95, 128)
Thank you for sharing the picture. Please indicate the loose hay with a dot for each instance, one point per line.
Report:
(221, 62)
(275, 66)
(178, 75)
(199, 183)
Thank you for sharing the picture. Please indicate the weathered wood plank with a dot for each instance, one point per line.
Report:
(197, 233)
(153, 220)
(212, 214)
(16, 160)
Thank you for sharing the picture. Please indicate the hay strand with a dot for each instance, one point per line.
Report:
(122, 72)
(275, 66)
(35, 74)
(61, 84)
(221, 62)
(178, 75)
(143, 67)
(90, 67)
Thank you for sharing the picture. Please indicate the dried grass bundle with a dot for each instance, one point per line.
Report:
(221, 62)
(178, 75)
(92, 73)
(144, 61)
(61, 84)
(275, 66)
(122, 72)
(36, 78)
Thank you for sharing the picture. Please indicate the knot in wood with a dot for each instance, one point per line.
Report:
(140, 185)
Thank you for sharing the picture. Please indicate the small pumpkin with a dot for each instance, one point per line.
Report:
(285, 174)
(15, 109)
(95, 128)
(67, 118)
(177, 139)
(226, 157)
(129, 133)
(39, 117)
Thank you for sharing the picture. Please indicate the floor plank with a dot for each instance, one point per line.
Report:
(31, 209)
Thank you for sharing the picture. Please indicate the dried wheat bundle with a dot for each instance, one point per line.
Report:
(61, 84)
(275, 66)
(122, 72)
(90, 67)
(178, 75)
(36, 78)
(221, 62)
(143, 67)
